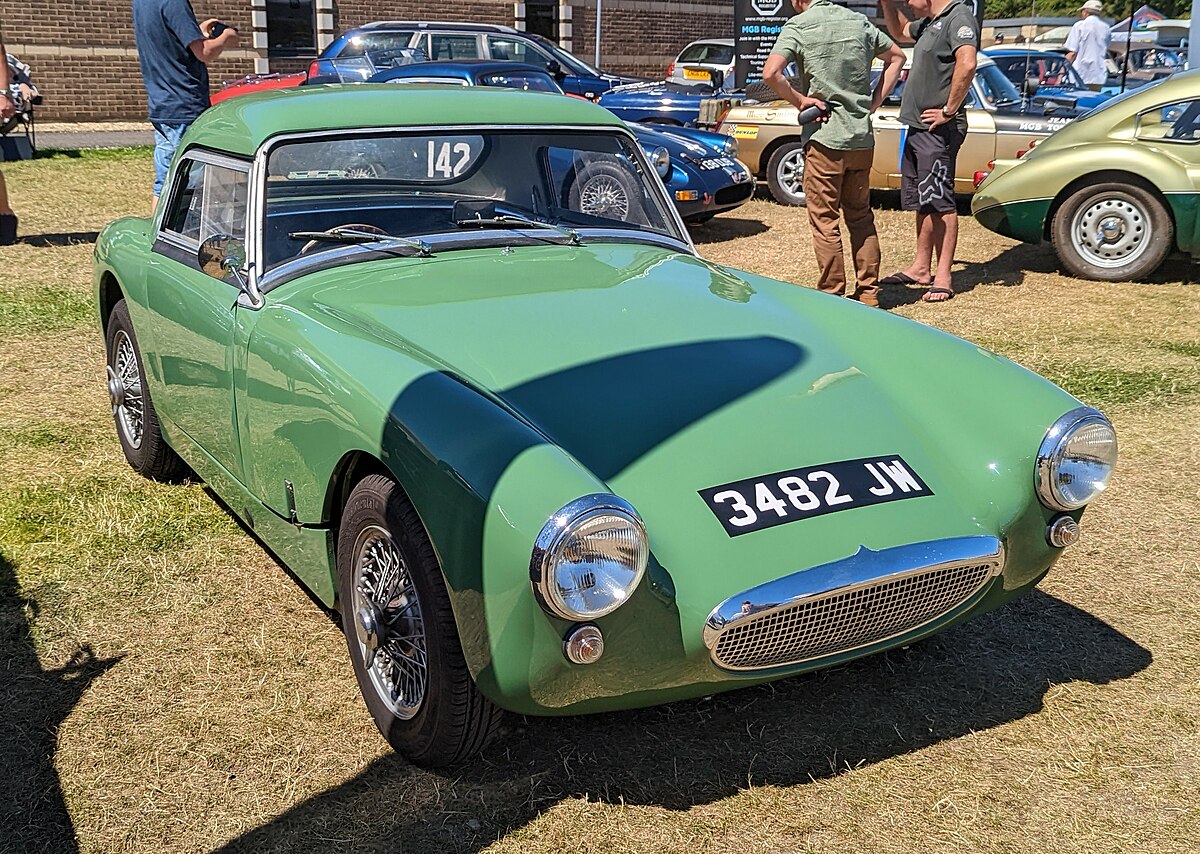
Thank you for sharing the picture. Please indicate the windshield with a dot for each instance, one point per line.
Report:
(406, 185)
(1048, 69)
(996, 89)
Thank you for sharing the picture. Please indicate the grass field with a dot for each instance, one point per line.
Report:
(164, 686)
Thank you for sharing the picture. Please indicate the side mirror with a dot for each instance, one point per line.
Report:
(220, 255)
(555, 69)
(1030, 87)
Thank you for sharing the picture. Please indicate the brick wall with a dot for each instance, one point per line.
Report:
(85, 64)
(640, 36)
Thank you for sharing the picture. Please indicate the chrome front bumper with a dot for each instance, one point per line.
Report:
(850, 604)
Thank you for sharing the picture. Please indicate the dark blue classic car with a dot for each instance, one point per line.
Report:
(1056, 79)
(699, 168)
(455, 41)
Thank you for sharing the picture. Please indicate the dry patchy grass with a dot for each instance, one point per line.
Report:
(165, 686)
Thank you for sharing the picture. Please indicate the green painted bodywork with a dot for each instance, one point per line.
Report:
(497, 385)
(1101, 147)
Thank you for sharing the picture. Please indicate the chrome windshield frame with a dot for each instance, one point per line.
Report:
(682, 240)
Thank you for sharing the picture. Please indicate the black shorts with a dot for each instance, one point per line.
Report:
(927, 167)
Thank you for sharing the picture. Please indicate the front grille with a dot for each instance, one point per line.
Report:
(734, 193)
(844, 619)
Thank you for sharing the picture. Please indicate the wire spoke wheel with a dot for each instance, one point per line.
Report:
(125, 390)
(389, 624)
(605, 196)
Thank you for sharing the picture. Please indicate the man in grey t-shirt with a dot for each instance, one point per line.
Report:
(931, 109)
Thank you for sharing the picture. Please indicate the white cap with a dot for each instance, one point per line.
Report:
(1091, 6)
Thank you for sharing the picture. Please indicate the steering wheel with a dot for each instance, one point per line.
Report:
(349, 226)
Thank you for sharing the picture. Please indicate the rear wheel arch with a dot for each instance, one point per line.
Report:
(1108, 176)
(768, 152)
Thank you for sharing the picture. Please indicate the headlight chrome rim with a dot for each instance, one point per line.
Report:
(558, 527)
(1050, 454)
(661, 158)
(730, 146)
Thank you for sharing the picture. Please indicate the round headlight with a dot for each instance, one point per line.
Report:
(730, 147)
(1076, 459)
(589, 558)
(662, 161)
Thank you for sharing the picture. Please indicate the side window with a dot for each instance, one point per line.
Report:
(1171, 122)
(209, 200)
(513, 50)
(444, 46)
(373, 42)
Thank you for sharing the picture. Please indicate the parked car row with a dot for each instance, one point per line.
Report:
(700, 168)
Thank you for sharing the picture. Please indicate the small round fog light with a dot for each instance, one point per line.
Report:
(1063, 532)
(584, 645)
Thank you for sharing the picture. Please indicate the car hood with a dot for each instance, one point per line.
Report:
(664, 375)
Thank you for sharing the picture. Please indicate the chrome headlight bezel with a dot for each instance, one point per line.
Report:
(1051, 454)
(660, 158)
(557, 530)
(729, 147)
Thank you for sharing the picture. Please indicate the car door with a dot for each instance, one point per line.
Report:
(193, 313)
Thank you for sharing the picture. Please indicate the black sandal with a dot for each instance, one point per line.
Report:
(900, 279)
(949, 295)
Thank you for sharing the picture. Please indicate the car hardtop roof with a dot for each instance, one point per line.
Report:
(436, 25)
(241, 125)
(469, 66)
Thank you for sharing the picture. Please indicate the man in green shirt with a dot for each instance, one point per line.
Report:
(833, 49)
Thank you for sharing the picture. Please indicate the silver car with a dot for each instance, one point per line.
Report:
(698, 59)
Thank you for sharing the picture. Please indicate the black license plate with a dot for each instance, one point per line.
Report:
(787, 496)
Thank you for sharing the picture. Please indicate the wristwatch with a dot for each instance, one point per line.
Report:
(946, 115)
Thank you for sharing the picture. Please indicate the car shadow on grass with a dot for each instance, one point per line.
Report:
(65, 238)
(722, 228)
(34, 702)
(978, 675)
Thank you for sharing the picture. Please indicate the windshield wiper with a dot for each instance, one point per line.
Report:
(510, 221)
(354, 235)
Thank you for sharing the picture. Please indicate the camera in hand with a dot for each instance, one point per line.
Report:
(219, 27)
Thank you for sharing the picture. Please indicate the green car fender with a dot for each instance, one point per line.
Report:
(1019, 197)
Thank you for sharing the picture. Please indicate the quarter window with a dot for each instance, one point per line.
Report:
(208, 200)
(1178, 122)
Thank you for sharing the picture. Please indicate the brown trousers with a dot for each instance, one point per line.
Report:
(836, 184)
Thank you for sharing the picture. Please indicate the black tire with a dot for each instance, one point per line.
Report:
(439, 717)
(607, 190)
(1138, 228)
(785, 174)
(133, 412)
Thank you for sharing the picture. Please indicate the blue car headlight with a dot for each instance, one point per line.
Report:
(661, 160)
(729, 147)
(589, 558)
(1076, 459)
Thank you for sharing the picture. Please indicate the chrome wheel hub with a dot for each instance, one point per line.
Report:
(605, 197)
(388, 623)
(791, 172)
(1111, 232)
(125, 390)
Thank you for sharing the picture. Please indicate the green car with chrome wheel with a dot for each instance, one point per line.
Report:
(1115, 192)
(546, 459)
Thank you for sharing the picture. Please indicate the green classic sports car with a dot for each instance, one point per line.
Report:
(547, 460)
(1114, 192)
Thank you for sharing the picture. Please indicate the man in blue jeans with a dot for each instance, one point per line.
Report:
(174, 51)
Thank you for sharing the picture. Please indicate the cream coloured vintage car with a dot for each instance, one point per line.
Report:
(1001, 122)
